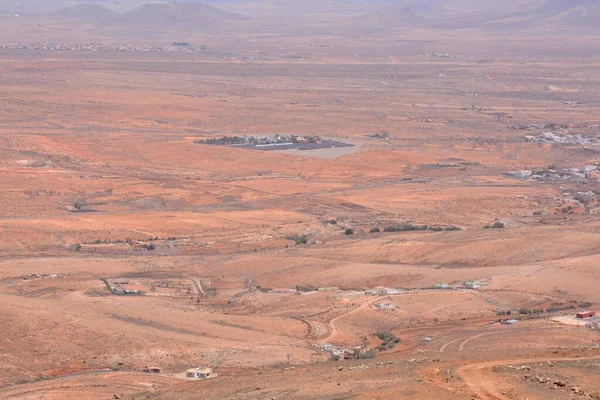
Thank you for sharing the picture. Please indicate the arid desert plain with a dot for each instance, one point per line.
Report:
(319, 200)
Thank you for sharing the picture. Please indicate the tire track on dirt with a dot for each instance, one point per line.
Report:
(476, 376)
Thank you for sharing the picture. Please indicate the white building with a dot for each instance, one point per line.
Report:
(199, 373)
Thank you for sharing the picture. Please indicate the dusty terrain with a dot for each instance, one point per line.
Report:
(253, 262)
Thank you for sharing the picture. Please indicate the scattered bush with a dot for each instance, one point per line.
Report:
(495, 225)
(411, 227)
(368, 355)
(299, 240)
(349, 231)
(389, 340)
(332, 222)
(77, 247)
(586, 304)
(537, 213)
(452, 228)
(335, 357)
(375, 230)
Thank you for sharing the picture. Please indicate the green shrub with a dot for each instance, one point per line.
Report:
(453, 228)
(299, 240)
(389, 340)
(368, 355)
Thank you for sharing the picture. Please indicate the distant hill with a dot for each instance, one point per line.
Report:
(584, 14)
(298, 8)
(394, 16)
(179, 11)
(85, 12)
(177, 15)
(156, 17)
(455, 7)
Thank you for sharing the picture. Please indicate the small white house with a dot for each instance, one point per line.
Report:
(199, 373)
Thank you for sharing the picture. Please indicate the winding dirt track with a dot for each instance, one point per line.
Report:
(334, 332)
(477, 379)
(461, 347)
(445, 346)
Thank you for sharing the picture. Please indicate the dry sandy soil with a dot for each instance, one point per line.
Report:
(115, 131)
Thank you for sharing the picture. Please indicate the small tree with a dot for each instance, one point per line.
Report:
(368, 355)
(301, 240)
(349, 231)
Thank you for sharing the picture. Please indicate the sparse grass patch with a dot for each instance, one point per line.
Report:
(389, 340)
(299, 240)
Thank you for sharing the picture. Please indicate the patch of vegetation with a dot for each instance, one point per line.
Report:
(299, 240)
(368, 355)
(452, 228)
(359, 355)
(349, 231)
(525, 311)
(335, 357)
(537, 213)
(77, 247)
(495, 225)
(411, 227)
(375, 230)
(406, 228)
(566, 210)
(389, 340)
(305, 288)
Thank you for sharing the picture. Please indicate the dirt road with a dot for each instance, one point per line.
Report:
(333, 330)
(477, 376)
